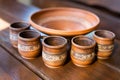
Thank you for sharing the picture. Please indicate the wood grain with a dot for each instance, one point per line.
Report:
(100, 70)
(4, 75)
(11, 69)
(97, 69)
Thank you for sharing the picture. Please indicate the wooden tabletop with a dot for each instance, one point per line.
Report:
(14, 67)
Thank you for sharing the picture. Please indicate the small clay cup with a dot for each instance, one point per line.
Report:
(105, 43)
(15, 28)
(82, 51)
(29, 45)
(54, 51)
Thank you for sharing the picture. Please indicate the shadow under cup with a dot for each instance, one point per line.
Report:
(29, 44)
(54, 51)
(105, 43)
(82, 51)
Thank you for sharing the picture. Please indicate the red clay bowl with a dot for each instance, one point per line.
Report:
(64, 21)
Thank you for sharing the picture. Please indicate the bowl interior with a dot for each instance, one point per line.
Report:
(67, 20)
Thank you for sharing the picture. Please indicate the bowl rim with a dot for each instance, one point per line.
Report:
(62, 32)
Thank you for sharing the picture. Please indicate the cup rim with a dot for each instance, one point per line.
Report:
(57, 46)
(29, 39)
(103, 38)
(21, 22)
(81, 46)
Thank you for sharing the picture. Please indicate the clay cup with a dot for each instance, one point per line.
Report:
(29, 45)
(54, 51)
(105, 43)
(82, 50)
(15, 28)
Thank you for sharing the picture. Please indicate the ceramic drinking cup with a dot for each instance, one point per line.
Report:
(15, 28)
(29, 45)
(82, 50)
(54, 51)
(105, 43)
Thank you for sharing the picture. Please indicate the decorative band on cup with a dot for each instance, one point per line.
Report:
(29, 44)
(82, 51)
(105, 43)
(54, 51)
(15, 28)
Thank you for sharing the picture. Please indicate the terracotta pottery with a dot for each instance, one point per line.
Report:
(54, 51)
(29, 45)
(64, 21)
(15, 28)
(82, 51)
(105, 43)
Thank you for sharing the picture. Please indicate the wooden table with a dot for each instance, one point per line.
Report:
(14, 67)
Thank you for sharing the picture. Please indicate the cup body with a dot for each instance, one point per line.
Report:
(54, 51)
(82, 50)
(29, 45)
(105, 43)
(14, 29)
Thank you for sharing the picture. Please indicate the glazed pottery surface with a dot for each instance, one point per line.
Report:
(105, 43)
(82, 51)
(29, 45)
(15, 28)
(64, 21)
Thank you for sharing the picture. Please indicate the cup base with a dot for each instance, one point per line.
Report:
(102, 57)
(27, 57)
(80, 65)
(52, 66)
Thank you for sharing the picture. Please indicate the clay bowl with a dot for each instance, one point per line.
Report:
(64, 21)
